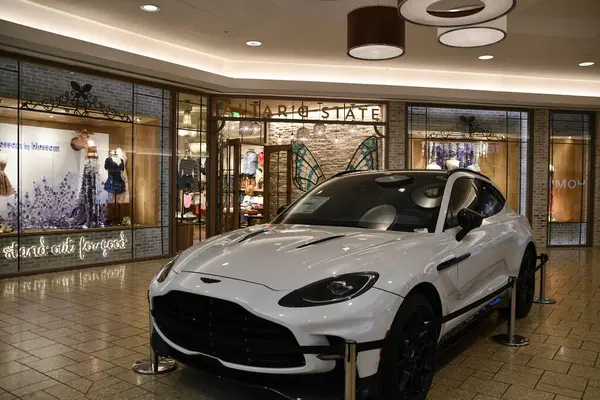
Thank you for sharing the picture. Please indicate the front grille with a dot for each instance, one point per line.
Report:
(224, 330)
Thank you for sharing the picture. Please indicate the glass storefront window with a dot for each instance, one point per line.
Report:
(87, 158)
(192, 167)
(274, 150)
(493, 142)
(569, 177)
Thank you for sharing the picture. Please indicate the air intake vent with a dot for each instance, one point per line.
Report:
(317, 241)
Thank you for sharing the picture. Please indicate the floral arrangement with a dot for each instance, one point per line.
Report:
(48, 207)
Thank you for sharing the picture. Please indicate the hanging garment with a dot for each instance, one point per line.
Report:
(261, 158)
(123, 197)
(6, 188)
(88, 213)
(188, 177)
(187, 200)
(114, 184)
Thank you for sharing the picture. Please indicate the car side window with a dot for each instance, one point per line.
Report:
(491, 200)
(463, 195)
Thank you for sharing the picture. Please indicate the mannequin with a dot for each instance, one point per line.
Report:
(88, 212)
(115, 166)
(433, 166)
(6, 188)
(551, 195)
(123, 197)
(452, 163)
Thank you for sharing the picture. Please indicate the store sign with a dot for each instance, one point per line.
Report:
(81, 246)
(571, 184)
(351, 112)
(35, 146)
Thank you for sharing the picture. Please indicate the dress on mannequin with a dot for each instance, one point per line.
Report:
(452, 163)
(88, 213)
(6, 188)
(123, 197)
(115, 183)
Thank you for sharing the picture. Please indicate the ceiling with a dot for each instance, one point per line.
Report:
(546, 41)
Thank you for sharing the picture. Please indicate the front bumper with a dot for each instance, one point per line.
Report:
(322, 386)
(366, 318)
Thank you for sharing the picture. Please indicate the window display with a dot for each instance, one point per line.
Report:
(569, 172)
(490, 141)
(82, 161)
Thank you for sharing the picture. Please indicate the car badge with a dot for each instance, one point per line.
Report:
(209, 280)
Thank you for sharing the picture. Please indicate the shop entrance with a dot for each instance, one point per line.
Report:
(255, 181)
(273, 151)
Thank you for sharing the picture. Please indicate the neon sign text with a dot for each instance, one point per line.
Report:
(82, 247)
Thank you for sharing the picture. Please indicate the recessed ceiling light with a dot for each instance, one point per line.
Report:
(51, 116)
(486, 57)
(150, 7)
(586, 64)
(253, 43)
(570, 138)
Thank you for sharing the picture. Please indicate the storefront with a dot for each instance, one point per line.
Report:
(88, 168)
(570, 173)
(491, 141)
(271, 151)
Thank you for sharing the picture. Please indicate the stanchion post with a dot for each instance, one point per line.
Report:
(542, 299)
(350, 355)
(155, 365)
(510, 338)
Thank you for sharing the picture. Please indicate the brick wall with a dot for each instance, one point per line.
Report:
(541, 137)
(397, 136)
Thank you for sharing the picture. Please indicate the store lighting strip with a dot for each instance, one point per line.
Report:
(30, 14)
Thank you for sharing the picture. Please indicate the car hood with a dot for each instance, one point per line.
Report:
(288, 257)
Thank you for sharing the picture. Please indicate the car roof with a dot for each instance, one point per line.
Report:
(441, 173)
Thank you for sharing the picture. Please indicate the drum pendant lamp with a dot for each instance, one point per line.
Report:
(475, 35)
(453, 13)
(375, 33)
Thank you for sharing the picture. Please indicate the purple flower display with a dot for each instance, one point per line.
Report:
(48, 207)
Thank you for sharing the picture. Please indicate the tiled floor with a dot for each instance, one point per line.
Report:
(75, 335)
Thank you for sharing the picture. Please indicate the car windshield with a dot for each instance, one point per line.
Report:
(402, 201)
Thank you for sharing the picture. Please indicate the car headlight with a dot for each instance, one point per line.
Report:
(331, 290)
(164, 271)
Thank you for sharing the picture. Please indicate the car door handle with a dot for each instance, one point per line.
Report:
(452, 262)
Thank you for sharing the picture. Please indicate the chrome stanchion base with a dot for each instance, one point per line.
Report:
(164, 365)
(545, 300)
(505, 339)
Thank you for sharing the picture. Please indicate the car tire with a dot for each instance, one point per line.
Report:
(408, 360)
(526, 284)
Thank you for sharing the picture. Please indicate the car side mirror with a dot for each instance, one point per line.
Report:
(468, 220)
(282, 209)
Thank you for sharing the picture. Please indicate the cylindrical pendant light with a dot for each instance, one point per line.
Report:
(451, 13)
(474, 36)
(375, 33)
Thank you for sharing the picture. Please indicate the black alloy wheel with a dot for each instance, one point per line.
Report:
(526, 284)
(409, 360)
